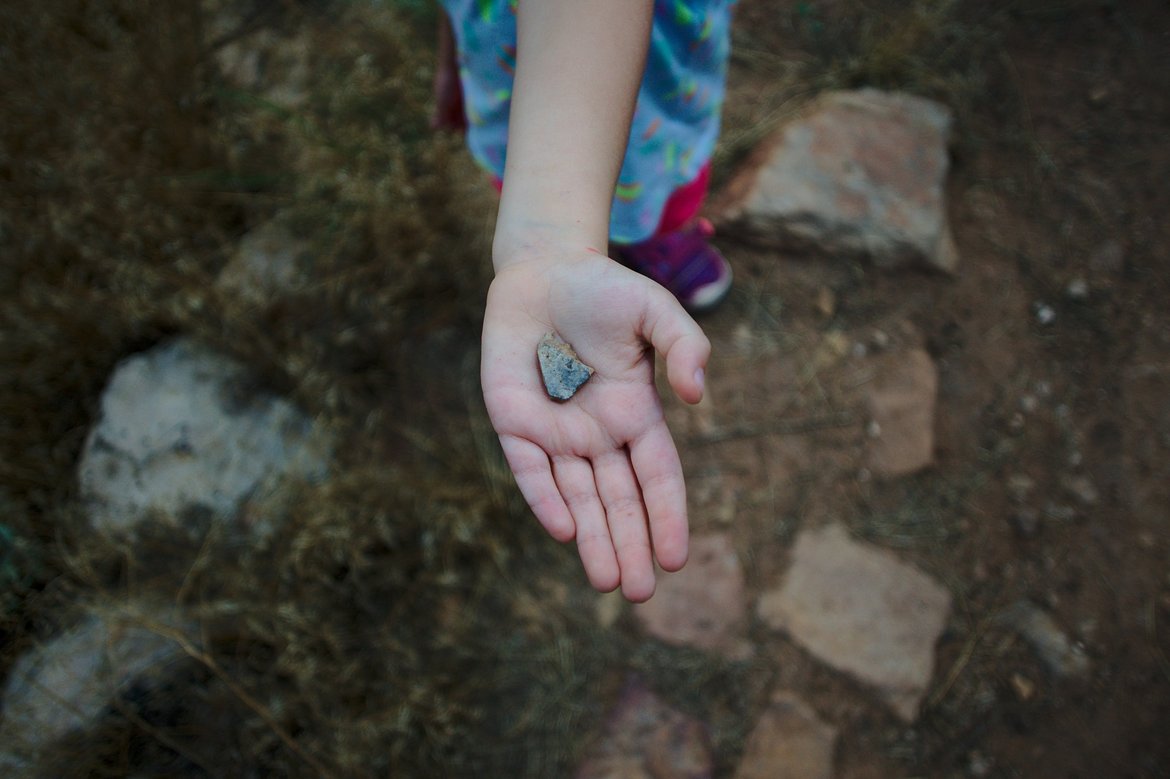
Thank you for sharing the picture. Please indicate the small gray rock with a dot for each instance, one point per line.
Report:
(1062, 656)
(560, 367)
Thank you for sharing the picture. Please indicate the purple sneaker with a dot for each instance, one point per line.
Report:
(683, 262)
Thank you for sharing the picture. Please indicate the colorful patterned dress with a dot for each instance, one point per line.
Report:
(676, 121)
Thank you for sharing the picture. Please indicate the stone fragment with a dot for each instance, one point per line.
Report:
(901, 400)
(858, 174)
(275, 66)
(267, 263)
(789, 741)
(65, 685)
(646, 739)
(1081, 488)
(184, 429)
(1034, 625)
(863, 611)
(703, 605)
(560, 367)
(1025, 521)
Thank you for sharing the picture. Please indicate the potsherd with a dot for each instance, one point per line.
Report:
(560, 367)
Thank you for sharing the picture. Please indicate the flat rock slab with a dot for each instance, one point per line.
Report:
(858, 173)
(863, 611)
(901, 398)
(789, 741)
(703, 605)
(184, 427)
(64, 685)
(646, 739)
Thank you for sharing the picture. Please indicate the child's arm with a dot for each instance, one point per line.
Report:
(601, 467)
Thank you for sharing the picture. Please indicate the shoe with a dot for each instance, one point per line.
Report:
(683, 262)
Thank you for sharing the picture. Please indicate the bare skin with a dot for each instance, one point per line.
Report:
(602, 468)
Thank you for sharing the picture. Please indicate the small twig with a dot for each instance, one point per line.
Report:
(959, 666)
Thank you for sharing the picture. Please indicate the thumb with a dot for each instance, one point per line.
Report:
(678, 338)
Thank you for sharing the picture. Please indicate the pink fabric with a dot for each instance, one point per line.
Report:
(684, 203)
(681, 207)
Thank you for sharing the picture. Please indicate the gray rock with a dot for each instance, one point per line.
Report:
(789, 741)
(267, 263)
(703, 605)
(1034, 625)
(184, 428)
(863, 611)
(858, 173)
(278, 68)
(901, 398)
(560, 367)
(646, 739)
(65, 685)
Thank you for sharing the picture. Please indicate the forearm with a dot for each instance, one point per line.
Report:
(579, 64)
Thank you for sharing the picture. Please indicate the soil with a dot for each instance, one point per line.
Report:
(1052, 343)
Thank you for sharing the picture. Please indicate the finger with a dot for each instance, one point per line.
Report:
(530, 466)
(660, 477)
(627, 523)
(574, 477)
(675, 335)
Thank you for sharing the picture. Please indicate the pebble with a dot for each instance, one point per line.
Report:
(560, 367)
(1024, 687)
(1063, 657)
(1081, 488)
(1077, 289)
(979, 764)
(1045, 314)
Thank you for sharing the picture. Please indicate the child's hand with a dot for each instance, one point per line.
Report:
(600, 467)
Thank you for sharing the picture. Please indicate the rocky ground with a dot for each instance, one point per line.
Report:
(928, 485)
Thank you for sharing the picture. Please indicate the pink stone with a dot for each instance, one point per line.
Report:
(789, 741)
(861, 610)
(703, 605)
(646, 739)
(901, 398)
(857, 173)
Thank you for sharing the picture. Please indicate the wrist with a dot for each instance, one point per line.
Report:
(533, 240)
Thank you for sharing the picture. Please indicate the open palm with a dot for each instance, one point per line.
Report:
(601, 467)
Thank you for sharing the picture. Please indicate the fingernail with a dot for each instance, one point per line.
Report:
(699, 376)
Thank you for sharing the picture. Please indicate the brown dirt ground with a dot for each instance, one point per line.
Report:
(1060, 173)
